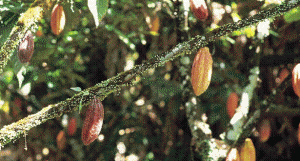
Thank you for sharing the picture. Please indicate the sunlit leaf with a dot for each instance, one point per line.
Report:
(98, 9)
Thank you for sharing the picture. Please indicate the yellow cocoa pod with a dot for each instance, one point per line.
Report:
(201, 71)
(247, 152)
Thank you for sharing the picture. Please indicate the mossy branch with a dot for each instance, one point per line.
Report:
(102, 90)
(27, 21)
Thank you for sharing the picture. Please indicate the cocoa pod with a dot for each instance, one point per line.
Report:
(72, 126)
(247, 151)
(264, 130)
(155, 23)
(233, 155)
(93, 121)
(201, 71)
(296, 79)
(58, 19)
(232, 104)
(199, 9)
(26, 48)
(61, 140)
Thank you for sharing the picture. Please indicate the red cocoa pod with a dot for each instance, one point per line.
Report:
(72, 126)
(58, 19)
(201, 71)
(199, 9)
(26, 48)
(93, 121)
(232, 104)
(264, 130)
(233, 155)
(61, 140)
(296, 79)
(247, 151)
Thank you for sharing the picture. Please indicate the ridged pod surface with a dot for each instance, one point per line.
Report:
(93, 121)
(232, 104)
(199, 9)
(26, 48)
(58, 19)
(201, 71)
(247, 152)
(296, 79)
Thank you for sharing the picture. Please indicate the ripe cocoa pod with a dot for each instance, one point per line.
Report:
(247, 151)
(232, 104)
(296, 79)
(58, 19)
(93, 121)
(26, 48)
(233, 155)
(264, 130)
(61, 140)
(72, 126)
(199, 9)
(201, 71)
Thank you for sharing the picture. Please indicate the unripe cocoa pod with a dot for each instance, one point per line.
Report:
(58, 19)
(296, 79)
(232, 104)
(93, 121)
(247, 152)
(264, 130)
(26, 48)
(233, 155)
(199, 9)
(201, 71)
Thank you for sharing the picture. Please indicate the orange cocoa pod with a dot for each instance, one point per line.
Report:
(72, 126)
(93, 121)
(282, 75)
(58, 19)
(26, 48)
(201, 71)
(199, 9)
(232, 104)
(233, 155)
(155, 23)
(247, 151)
(61, 140)
(264, 130)
(296, 79)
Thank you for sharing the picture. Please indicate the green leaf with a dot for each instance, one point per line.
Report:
(292, 15)
(98, 9)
